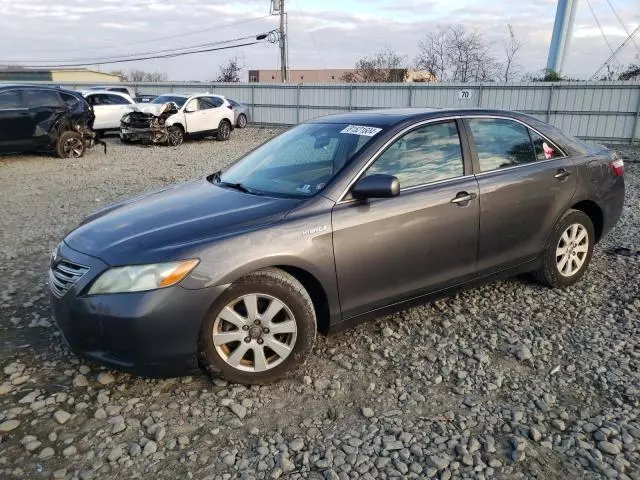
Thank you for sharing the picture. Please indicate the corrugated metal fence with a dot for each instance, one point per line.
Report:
(597, 111)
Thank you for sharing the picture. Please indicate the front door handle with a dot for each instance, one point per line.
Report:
(463, 197)
(562, 174)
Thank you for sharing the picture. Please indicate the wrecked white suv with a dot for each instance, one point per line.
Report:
(193, 115)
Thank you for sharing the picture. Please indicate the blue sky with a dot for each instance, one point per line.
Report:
(323, 33)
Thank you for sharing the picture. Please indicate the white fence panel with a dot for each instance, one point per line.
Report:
(597, 111)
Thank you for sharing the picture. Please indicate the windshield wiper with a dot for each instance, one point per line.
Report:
(237, 186)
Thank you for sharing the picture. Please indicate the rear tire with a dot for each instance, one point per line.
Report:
(70, 145)
(242, 121)
(568, 251)
(224, 131)
(267, 308)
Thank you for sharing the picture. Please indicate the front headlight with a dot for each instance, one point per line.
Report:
(138, 278)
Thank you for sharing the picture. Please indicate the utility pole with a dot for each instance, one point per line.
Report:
(562, 27)
(283, 43)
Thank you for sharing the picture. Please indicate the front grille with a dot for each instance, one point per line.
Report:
(64, 275)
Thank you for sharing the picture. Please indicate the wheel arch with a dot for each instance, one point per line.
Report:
(316, 291)
(595, 213)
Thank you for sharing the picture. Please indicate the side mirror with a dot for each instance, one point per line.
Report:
(376, 186)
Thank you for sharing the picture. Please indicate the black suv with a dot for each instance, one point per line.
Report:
(35, 118)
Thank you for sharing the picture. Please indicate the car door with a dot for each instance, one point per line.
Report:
(195, 116)
(15, 121)
(109, 109)
(46, 108)
(215, 111)
(425, 239)
(526, 182)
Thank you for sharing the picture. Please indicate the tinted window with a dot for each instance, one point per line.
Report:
(41, 98)
(210, 102)
(10, 99)
(101, 99)
(69, 100)
(545, 150)
(501, 143)
(425, 155)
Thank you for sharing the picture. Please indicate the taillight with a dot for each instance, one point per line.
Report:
(617, 166)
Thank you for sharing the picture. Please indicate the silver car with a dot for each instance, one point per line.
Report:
(241, 113)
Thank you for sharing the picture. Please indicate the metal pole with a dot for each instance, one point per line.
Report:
(636, 122)
(298, 103)
(283, 45)
(550, 102)
(479, 104)
(565, 16)
(410, 95)
(350, 97)
(253, 103)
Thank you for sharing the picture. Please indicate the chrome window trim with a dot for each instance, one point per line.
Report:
(443, 119)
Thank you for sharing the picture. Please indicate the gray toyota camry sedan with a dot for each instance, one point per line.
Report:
(335, 221)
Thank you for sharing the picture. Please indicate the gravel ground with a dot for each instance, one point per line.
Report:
(510, 380)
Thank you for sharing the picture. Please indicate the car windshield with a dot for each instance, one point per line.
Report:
(179, 101)
(301, 161)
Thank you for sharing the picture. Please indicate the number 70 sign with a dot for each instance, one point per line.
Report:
(464, 94)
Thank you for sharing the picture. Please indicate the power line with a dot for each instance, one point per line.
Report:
(93, 60)
(595, 17)
(168, 55)
(624, 27)
(155, 39)
(620, 47)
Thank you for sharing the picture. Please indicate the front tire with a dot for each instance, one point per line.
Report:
(175, 135)
(259, 330)
(70, 145)
(224, 131)
(568, 252)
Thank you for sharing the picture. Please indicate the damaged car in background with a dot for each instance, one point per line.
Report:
(168, 119)
(38, 118)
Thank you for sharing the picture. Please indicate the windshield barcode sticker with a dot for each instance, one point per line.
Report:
(360, 130)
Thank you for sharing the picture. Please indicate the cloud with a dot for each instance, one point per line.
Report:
(322, 33)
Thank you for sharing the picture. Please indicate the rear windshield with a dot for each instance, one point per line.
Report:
(301, 161)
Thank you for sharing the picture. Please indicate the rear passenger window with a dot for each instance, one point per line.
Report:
(501, 143)
(427, 154)
(69, 100)
(10, 99)
(41, 98)
(545, 150)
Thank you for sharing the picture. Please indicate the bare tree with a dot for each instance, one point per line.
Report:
(384, 66)
(511, 48)
(230, 72)
(142, 76)
(455, 54)
(631, 72)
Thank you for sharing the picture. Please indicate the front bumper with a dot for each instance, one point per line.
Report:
(147, 333)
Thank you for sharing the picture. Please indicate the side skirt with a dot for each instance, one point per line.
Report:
(431, 296)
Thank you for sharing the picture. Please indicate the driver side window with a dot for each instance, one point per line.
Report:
(424, 155)
(192, 106)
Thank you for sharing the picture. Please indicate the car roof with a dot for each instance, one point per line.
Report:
(40, 87)
(108, 92)
(393, 116)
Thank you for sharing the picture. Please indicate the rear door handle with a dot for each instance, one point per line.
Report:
(562, 174)
(463, 197)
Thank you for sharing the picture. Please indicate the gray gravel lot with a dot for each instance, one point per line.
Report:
(509, 380)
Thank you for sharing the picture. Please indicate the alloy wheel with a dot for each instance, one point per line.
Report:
(242, 121)
(572, 249)
(225, 130)
(255, 332)
(73, 147)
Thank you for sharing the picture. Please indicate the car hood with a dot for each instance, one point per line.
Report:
(173, 222)
(152, 108)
